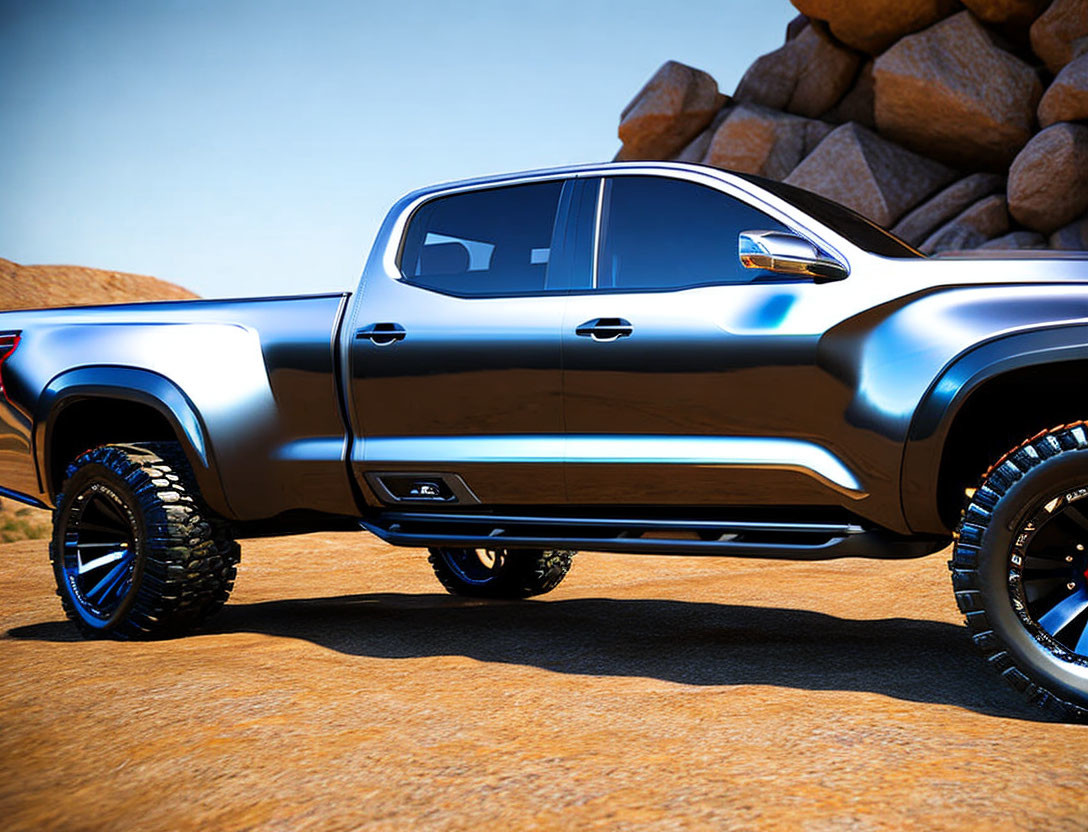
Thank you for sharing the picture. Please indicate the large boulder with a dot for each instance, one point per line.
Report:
(1048, 181)
(1073, 237)
(985, 219)
(1066, 99)
(673, 107)
(1016, 12)
(766, 142)
(950, 93)
(873, 25)
(1015, 240)
(695, 150)
(939, 209)
(1060, 32)
(876, 178)
(857, 104)
(806, 76)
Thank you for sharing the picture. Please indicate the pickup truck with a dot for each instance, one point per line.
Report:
(627, 357)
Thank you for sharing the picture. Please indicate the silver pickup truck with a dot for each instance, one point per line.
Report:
(636, 357)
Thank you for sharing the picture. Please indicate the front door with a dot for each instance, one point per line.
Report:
(687, 380)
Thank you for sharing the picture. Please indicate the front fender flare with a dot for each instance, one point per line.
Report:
(935, 414)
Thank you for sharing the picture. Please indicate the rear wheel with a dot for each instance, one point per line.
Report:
(134, 552)
(500, 573)
(1020, 569)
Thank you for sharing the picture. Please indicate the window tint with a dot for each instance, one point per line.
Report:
(666, 233)
(493, 242)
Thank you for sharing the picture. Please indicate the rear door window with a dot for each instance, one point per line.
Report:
(485, 243)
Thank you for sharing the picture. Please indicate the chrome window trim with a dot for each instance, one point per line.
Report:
(597, 218)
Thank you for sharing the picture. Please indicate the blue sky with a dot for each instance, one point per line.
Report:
(253, 147)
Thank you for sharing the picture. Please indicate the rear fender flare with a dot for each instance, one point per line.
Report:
(133, 385)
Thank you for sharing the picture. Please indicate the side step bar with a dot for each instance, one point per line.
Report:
(792, 541)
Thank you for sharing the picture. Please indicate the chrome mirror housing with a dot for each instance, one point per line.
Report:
(784, 253)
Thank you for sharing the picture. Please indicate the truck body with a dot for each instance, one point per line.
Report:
(633, 357)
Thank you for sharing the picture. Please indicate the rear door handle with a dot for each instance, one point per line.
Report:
(381, 334)
(605, 329)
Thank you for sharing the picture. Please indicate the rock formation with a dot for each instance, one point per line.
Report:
(954, 125)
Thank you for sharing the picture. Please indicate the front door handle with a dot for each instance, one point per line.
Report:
(381, 334)
(605, 329)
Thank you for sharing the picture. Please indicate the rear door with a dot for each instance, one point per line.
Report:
(455, 361)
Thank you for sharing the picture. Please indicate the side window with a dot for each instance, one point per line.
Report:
(491, 242)
(667, 234)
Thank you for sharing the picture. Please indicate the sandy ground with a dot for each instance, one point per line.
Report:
(341, 689)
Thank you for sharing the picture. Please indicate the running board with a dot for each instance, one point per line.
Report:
(792, 541)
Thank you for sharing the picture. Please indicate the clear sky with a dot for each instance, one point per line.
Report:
(245, 147)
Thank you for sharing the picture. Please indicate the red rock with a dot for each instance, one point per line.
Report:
(879, 179)
(950, 93)
(1066, 99)
(984, 220)
(1048, 181)
(806, 76)
(1016, 12)
(673, 107)
(1054, 34)
(756, 140)
(857, 104)
(916, 226)
(874, 25)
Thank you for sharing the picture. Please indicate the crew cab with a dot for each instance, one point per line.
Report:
(629, 357)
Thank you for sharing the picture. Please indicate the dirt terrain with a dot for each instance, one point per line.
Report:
(341, 689)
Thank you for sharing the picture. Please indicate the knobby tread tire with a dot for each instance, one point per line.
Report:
(968, 554)
(189, 562)
(525, 573)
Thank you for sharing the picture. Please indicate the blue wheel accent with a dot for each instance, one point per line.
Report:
(99, 556)
(1048, 578)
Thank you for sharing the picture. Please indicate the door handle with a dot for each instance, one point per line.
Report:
(381, 334)
(605, 329)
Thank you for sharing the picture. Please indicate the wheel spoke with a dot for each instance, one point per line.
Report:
(1042, 564)
(1077, 516)
(104, 560)
(1036, 588)
(1061, 615)
(110, 577)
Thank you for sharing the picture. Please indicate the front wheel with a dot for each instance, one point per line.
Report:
(500, 573)
(134, 552)
(1020, 569)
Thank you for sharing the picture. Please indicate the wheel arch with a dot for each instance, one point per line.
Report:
(953, 436)
(95, 405)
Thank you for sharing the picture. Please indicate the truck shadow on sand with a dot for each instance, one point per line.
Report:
(675, 641)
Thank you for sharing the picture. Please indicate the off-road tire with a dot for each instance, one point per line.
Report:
(518, 573)
(989, 560)
(184, 562)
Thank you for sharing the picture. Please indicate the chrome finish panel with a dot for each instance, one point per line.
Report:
(257, 379)
(747, 452)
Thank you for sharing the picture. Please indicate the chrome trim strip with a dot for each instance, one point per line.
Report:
(741, 451)
(597, 230)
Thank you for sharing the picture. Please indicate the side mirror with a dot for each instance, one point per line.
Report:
(784, 253)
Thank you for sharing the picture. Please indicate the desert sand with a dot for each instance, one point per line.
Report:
(341, 689)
